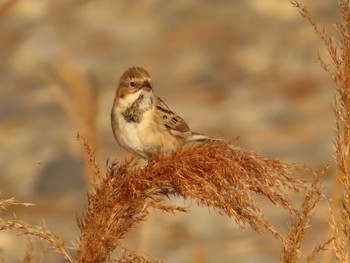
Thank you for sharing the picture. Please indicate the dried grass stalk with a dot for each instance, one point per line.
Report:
(130, 256)
(215, 174)
(31, 230)
(5, 203)
(78, 96)
(300, 223)
(325, 246)
(29, 254)
(339, 50)
(340, 244)
(39, 231)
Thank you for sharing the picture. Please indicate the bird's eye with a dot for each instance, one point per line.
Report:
(132, 84)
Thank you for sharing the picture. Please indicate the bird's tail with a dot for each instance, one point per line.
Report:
(202, 138)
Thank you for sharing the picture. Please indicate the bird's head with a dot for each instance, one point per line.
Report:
(133, 80)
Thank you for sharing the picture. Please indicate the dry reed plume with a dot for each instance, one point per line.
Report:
(338, 47)
(215, 175)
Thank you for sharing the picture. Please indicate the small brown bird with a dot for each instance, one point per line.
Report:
(142, 123)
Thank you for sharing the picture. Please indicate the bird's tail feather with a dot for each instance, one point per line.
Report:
(202, 138)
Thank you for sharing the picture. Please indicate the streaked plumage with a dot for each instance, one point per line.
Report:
(142, 123)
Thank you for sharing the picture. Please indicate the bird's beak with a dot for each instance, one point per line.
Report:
(146, 85)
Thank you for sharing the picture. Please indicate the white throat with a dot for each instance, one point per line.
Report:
(128, 100)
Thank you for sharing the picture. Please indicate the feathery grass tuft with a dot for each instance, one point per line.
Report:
(300, 223)
(26, 229)
(214, 174)
(338, 47)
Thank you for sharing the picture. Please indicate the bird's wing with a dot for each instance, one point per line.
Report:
(169, 119)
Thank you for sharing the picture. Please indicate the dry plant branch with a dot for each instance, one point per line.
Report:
(318, 249)
(339, 50)
(5, 203)
(339, 245)
(31, 230)
(78, 96)
(215, 174)
(91, 158)
(130, 256)
(300, 223)
(42, 232)
(29, 254)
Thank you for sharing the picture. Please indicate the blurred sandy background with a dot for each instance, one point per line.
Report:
(229, 68)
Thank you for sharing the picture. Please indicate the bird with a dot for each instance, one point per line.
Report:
(142, 123)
